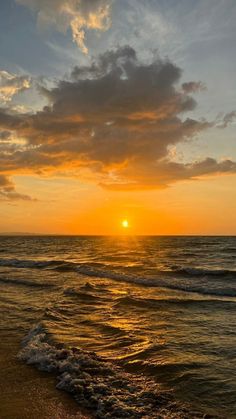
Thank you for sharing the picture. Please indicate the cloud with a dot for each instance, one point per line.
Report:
(8, 192)
(78, 15)
(227, 119)
(11, 84)
(193, 87)
(5, 136)
(164, 173)
(117, 119)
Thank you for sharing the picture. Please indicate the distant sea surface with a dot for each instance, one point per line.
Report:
(133, 327)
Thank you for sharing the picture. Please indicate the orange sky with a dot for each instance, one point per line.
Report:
(188, 208)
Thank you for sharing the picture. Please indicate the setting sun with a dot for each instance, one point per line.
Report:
(125, 223)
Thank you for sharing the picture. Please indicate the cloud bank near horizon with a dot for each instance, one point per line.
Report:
(113, 122)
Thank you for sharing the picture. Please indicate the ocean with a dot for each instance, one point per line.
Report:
(130, 327)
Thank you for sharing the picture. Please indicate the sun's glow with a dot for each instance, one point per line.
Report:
(125, 223)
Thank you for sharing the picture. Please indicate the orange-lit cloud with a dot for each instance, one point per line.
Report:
(116, 118)
(11, 84)
(8, 192)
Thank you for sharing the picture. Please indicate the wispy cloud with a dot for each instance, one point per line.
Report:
(11, 84)
(227, 119)
(76, 15)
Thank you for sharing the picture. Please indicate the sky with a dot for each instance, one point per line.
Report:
(115, 110)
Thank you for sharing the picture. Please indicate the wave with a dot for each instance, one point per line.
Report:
(187, 271)
(229, 250)
(38, 264)
(155, 303)
(27, 283)
(90, 270)
(84, 296)
(99, 385)
(171, 279)
(162, 282)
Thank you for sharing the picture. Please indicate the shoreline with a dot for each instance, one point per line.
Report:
(28, 393)
(29, 387)
(100, 385)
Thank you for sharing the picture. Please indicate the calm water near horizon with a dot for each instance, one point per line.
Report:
(121, 320)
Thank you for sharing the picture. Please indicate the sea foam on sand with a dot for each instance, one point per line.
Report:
(98, 384)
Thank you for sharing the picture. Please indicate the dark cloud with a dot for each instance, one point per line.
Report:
(5, 135)
(193, 87)
(118, 117)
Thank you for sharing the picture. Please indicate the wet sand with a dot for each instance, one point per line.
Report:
(27, 393)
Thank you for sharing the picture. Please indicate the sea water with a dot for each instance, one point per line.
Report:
(132, 327)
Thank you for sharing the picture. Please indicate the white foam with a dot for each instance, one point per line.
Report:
(97, 384)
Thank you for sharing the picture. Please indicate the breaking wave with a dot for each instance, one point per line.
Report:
(99, 385)
(211, 280)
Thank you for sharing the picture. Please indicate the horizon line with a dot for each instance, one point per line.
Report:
(8, 233)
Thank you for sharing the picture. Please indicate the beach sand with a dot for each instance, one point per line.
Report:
(27, 393)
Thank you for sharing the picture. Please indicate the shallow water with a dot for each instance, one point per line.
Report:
(160, 310)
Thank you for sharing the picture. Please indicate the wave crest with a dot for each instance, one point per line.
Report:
(98, 384)
(185, 279)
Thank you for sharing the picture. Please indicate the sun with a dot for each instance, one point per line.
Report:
(125, 223)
